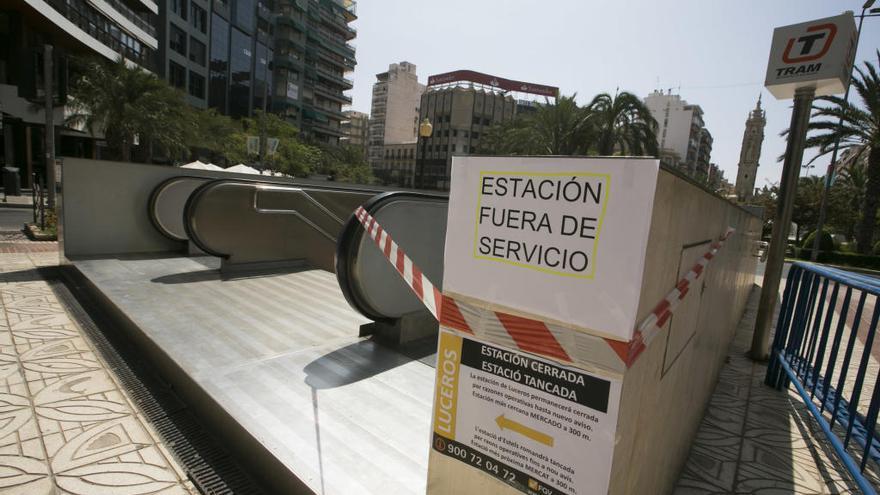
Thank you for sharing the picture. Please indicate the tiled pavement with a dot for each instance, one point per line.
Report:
(66, 426)
(756, 440)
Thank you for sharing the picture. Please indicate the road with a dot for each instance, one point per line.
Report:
(13, 218)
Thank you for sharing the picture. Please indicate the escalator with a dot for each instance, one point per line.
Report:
(263, 224)
(370, 284)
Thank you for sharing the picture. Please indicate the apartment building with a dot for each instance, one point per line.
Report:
(682, 137)
(355, 130)
(313, 54)
(107, 29)
(394, 110)
(398, 164)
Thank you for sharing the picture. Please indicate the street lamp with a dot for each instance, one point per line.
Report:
(829, 174)
(425, 131)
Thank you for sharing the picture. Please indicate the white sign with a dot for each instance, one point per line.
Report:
(271, 146)
(537, 426)
(559, 238)
(253, 145)
(818, 53)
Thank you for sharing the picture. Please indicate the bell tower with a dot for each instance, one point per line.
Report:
(750, 153)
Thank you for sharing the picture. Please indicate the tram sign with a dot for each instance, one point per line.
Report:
(818, 53)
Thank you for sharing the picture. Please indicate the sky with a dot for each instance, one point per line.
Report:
(714, 54)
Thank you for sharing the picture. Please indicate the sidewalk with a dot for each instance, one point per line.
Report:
(754, 439)
(66, 425)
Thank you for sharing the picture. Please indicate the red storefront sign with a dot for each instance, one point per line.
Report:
(494, 81)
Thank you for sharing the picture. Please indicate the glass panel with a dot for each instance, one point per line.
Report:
(219, 70)
(240, 65)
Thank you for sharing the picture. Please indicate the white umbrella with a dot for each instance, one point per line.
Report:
(241, 168)
(197, 165)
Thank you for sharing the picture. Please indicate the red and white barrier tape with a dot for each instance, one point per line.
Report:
(653, 323)
(529, 335)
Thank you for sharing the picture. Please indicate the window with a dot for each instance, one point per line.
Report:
(240, 62)
(197, 51)
(179, 8)
(455, 133)
(453, 148)
(177, 40)
(198, 18)
(219, 69)
(196, 85)
(176, 75)
(475, 135)
(244, 14)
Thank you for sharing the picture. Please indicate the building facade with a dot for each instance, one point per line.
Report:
(750, 154)
(394, 110)
(682, 137)
(459, 116)
(461, 106)
(354, 130)
(398, 164)
(182, 56)
(241, 47)
(104, 29)
(313, 54)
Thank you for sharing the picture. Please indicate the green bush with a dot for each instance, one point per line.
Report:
(842, 259)
(826, 243)
(876, 249)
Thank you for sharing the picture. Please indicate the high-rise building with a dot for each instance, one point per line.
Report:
(355, 128)
(312, 57)
(394, 112)
(240, 49)
(182, 55)
(462, 106)
(682, 138)
(105, 29)
(750, 153)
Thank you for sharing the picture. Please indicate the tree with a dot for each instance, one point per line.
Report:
(859, 132)
(623, 125)
(129, 106)
(606, 126)
(346, 163)
(846, 198)
(210, 134)
(292, 157)
(806, 204)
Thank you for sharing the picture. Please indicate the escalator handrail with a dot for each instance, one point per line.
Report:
(204, 188)
(154, 196)
(348, 247)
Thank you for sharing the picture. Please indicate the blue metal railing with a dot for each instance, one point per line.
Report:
(821, 338)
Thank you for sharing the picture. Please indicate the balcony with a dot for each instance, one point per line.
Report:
(332, 94)
(336, 78)
(133, 16)
(332, 57)
(290, 20)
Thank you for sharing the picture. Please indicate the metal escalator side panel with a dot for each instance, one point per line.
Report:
(370, 284)
(252, 222)
(167, 204)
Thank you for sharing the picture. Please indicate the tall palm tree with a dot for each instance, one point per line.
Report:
(559, 128)
(623, 125)
(127, 104)
(858, 132)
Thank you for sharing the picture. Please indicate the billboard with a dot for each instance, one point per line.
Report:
(494, 81)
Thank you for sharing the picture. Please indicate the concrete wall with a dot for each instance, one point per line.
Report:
(104, 206)
(666, 391)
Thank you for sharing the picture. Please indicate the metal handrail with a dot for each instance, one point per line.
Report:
(814, 340)
(294, 212)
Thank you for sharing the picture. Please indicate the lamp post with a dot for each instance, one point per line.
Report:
(425, 131)
(829, 174)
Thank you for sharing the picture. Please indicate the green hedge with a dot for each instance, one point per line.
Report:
(842, 259)
(825, 244)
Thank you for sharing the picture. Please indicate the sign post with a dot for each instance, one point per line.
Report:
(806, 60)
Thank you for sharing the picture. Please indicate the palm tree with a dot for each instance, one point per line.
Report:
(560, 128)
(858, 132)
(623, 125)
(128, 105)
